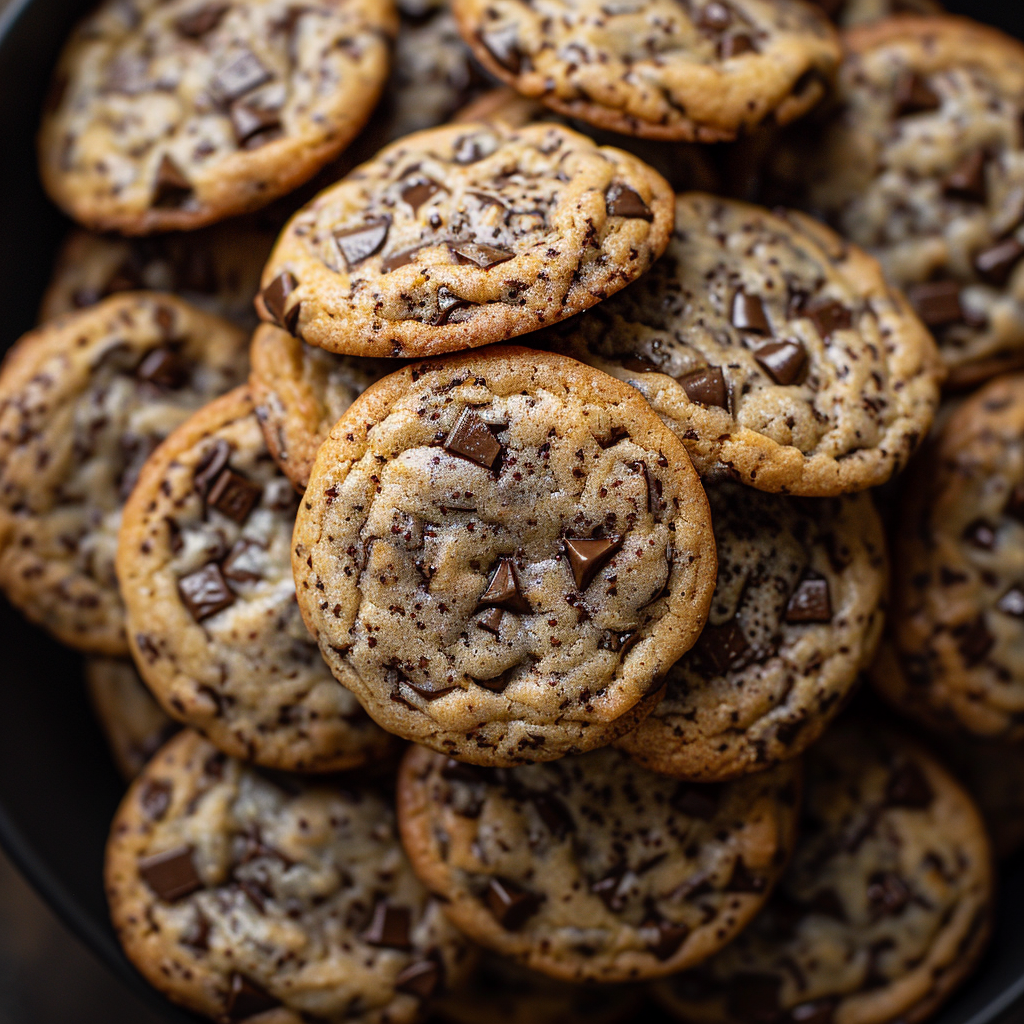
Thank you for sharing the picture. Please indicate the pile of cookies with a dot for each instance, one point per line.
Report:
(460, 679)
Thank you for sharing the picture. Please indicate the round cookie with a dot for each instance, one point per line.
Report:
(217, 269)
(134, 724)
(83, 402)
(773, 349)
(796, 615)
(301, 392)
(590, 868)
(464, 235)
(501, 554)
(957, 614)
(884, 909)
(172, 115)
(203, 562)
(239, 895)
(659, 68)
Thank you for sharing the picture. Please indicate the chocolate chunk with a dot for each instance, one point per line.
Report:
(974, 641)
(360, 243)
(967, 179)
(638, 364)
(734, 46)
(419, 979)
(696, 800)
(914, 95)
(995, 264)
(155, 798)
(197, 23)
(275, 295)
(503, 590)
(171, 188)
(234, 566)
(670, 937)
(887, 893)
(165, 368)
(503, 45)
(246, 999)
(469, 150)
(715, 17)
(418, 190)
(706, 387)
(240, 75)
(491, 620)
(937, 302)
(721, 647)
(481, 255)
(1015, 503)
(471, 439)
(782, 360)
(205, 592)
(608, 888)
(754, 998)
(620, 643)
(555, 815)
(981, 534)
(389, 927)
(428, 688)
(810, 602)
(622, 201)
(402, 258)
(172, 874)
(1012, 602)
(210, 467)
(909, 788)
(511, 906)
(253, 126)
(448, 303)
(748, 314)
(234, 495)
(588, 557)
(827, 316)
(744, 880)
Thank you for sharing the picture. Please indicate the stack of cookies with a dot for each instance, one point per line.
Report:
(462, 679)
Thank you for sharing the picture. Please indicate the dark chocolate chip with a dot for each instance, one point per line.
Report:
(491, 620)
(171, 188)
(1012, 602)
(205, 592)
(234, 566)
(974, 641)
(234, 495)
(696, 800)
(165, 368)
(511, 906)
(937, 302)
(622, 201)
(981, 534)
(995, 264)
(734, 46)
(967, 179)
(471, 439)
(481, 255)
(715, 17)
(240, 75)
(555, 815)
(914, 95)
(448, 304)
(253, 126)
(588, 557)
(402, 258)
(429, 689)
(503, 45)
(721, 647)
(418, 190)
(389, 927)
(607, 888)
(909, 788)
(246, 999)
(810, 602)
(887, 893)
(155, 798)
(706, 387)
(638, 364)
(503, 590)
(195, 24)
(827, 316)
(210, 467)
(670, 937)
(275, 295)
(744, 880)
(748, 314)
(468, 150)
(171, 875)
(782, 360)
(419, 979)
(360, 243)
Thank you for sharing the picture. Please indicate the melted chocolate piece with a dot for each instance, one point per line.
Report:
(275, 295)
(937, 302)
(171, 188)
(783, 361)
(165, 368)
(706, 387)
(171, 875)
(389, 927)
(887, 893)
(638, 364)
(471, 439)
(696, 800)
(420, 979)
(748, 314)
(810, 602)
(418, 190)
(503, 45)
(205, 592)
(491, 620)
(734, 46)
(254, 126)
(246, 999)
(1012, 602)
(239, 76)
(555, 815)
(511, 906)
(974, 641)
(448, 303)
(715, 17)
(402, 258)
(360, 243)
(827, 316)
(622, 201)
(909, 788)
(211, 466)
(995, 264)
(233, 567)
(967, 179)
(481, 255)
(721, 647)
(155, 798)
(608, 888)
(234, 495)
(588, 557)
(670, 937)
(195, 24)
(503, 590)
(914, 95)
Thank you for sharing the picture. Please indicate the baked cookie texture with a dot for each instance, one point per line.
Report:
(244, 895)
(501, 554)
(204, 565)
(924, 168)
(658, 68)
(463, 235)
(84, 400)
(172, 115)
(591, 868)
(300, 392)
(957, 614)
(884, 909)
(797, 614)
(772, 348)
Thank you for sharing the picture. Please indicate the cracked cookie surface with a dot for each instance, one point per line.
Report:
(772, 348)
(502, 553)
(591, 868)
(239, 894)
(456, 237)
(204, 565)
(796, 615)
(883, 910)
(168, 115)
(659, 68)
(83, 402)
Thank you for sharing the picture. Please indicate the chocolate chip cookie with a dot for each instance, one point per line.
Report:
(203, 561)
(502, 553)
(772, 348)
(591, 868)
(240, 894)
(83, 402)
(301, 392)
(957, 617)
(171, 115)
(134, 724)
(217, 269)
(796, 615)
(884, 909)
(465, 235)
(659, 68)
(858, 12)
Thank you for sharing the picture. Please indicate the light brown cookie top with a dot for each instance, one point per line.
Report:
(204, 565)
(884, 909)
(957, 614)
(925, 170)
(591, 868)
(663, 69)
(502, 553)
(216, 269)
(464, 235)
(772, 348)
(301, 392)
(83, 402)
(134, 724)
(170, 115)
(245, 895)
(796, 615)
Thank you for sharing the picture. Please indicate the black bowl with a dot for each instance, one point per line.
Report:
(58, 787)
